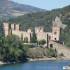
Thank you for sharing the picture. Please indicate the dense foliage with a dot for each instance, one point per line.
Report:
(34, 38)
(12, 49)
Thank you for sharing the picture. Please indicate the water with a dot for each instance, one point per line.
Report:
(37, 65)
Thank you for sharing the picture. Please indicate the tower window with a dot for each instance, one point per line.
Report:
(55, 33)
(55, 39)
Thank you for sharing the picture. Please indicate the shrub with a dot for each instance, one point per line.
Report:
(42, 42)
(52, 52)
(12, 49)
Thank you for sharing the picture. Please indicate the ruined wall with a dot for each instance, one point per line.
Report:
(16, 31)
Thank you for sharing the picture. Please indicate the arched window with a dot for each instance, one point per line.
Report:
(55, 39)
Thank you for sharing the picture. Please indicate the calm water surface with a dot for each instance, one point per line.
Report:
(38, 65)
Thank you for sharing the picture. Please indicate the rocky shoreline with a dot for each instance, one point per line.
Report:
(41, 59)
(45, 59)
(2, 63)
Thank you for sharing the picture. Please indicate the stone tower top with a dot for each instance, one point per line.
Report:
(29, 30)
(57, 22)
(39, 29)
(17, 27)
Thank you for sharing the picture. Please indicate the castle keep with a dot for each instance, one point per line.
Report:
(40, 33)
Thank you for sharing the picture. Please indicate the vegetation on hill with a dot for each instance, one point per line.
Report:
(8, 8)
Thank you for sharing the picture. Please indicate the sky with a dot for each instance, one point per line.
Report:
(45, 4)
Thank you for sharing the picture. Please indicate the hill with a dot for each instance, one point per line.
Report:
(11, 9)
(43, 18)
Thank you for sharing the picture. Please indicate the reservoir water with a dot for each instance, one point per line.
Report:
(37, 65)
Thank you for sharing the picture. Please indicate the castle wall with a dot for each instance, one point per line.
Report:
(16, 31)
(41, 36)
(6, 28)
(39, 29)
(12, 26)
(17, 27)
(19, 33)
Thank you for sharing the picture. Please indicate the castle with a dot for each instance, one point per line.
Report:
(54, 35)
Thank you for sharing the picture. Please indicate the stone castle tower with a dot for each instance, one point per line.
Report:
(13, 27)
(56, 29)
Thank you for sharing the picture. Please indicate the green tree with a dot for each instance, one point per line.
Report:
(12, 49)
(42, 42)
(52, 52)
(34, 38)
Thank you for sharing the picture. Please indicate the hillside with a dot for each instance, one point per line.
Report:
(11, 9)
(45, 19)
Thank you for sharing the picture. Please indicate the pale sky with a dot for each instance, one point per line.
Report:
(45, 4)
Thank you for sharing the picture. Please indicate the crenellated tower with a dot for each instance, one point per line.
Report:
(56, 29)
